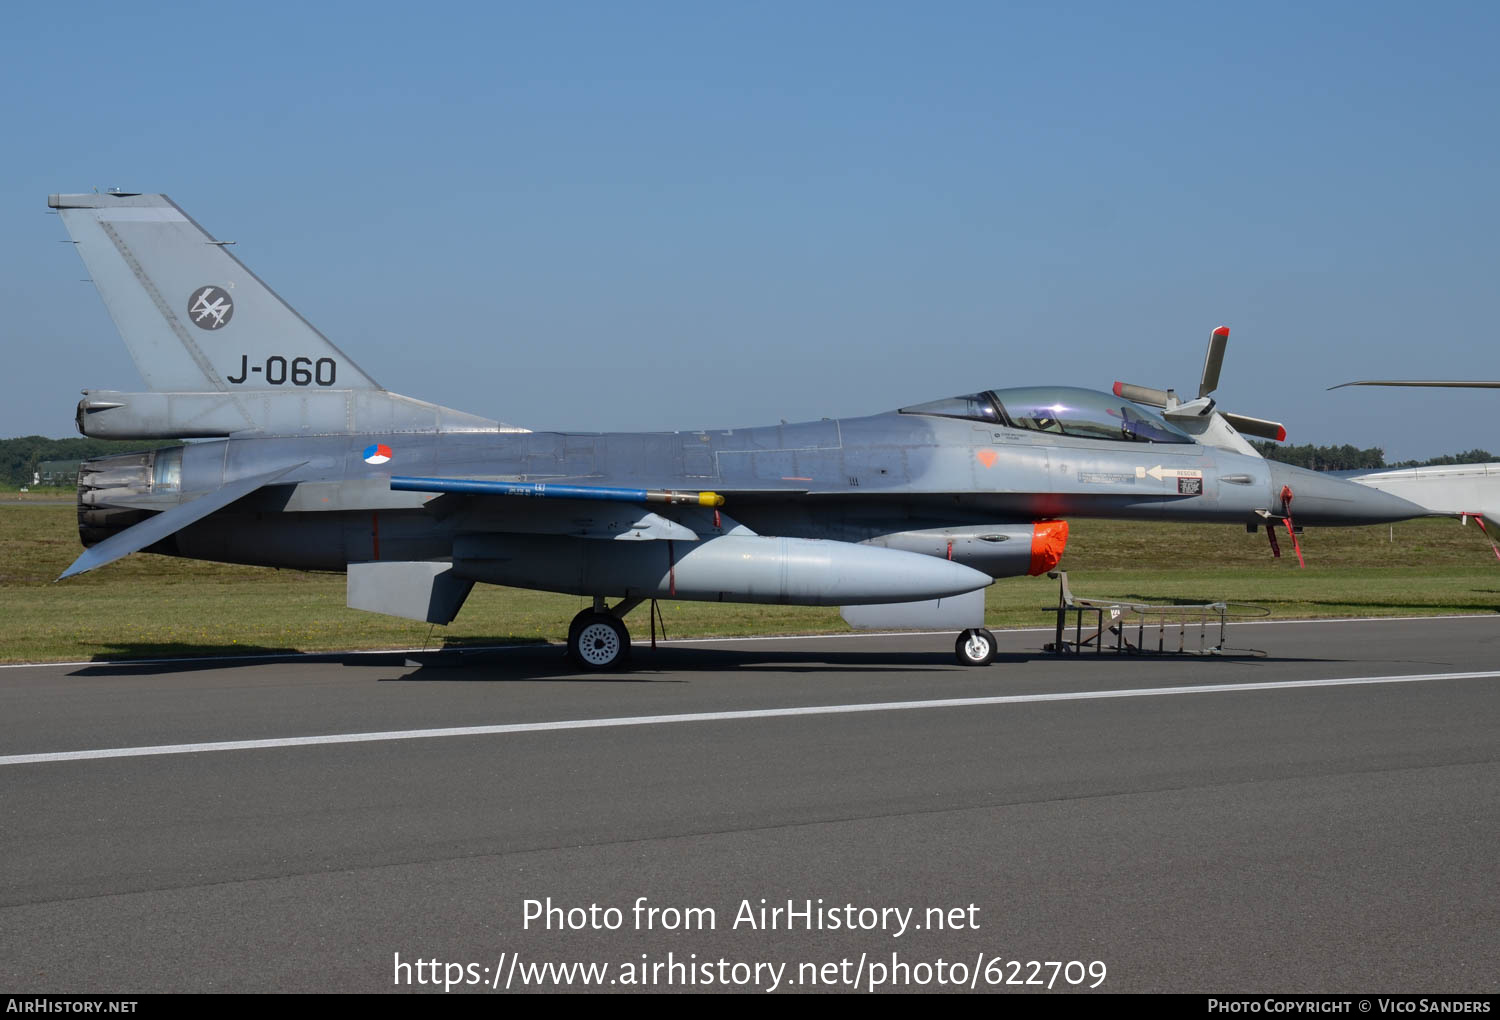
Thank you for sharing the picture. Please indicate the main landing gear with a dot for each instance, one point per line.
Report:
(599, 641)
(597, 638)
(975, 647)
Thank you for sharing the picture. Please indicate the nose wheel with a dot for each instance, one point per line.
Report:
(598, 641)
(975, 648)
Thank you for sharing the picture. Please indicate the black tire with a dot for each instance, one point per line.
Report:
(598, 641)
(975, 648)
(577, 623)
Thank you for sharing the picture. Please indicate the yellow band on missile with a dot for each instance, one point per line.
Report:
(710, 499)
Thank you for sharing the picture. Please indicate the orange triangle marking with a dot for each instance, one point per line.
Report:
(987, 457)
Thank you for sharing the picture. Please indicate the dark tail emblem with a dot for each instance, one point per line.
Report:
(210, 307)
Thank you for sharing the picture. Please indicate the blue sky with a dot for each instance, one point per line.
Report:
(655, 216)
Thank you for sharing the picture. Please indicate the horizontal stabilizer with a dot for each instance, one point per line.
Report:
(415, 590)
(163, 525)
(956, 612)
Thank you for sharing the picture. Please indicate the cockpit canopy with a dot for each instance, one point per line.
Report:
(1061, 410)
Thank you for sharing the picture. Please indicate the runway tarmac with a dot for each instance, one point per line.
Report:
(1325, 818)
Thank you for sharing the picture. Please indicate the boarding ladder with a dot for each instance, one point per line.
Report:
(1136, 626)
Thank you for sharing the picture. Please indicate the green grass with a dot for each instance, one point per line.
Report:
(39, 493)
(149, 605)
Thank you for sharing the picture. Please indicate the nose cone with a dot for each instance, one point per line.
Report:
(1322, 499)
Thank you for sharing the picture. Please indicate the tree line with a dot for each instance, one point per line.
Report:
(1351, 458)
(20, 456)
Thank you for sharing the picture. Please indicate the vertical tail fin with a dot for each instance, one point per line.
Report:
(222, 353)
(195, 319)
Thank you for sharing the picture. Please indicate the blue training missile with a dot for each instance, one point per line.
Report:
(552, 490)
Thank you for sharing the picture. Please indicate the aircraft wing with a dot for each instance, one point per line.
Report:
(514, 495)
(163, 525)
(634, 520)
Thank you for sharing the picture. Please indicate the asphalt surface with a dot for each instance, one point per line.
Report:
(1278, 838)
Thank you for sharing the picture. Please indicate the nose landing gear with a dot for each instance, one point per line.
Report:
(975, 647)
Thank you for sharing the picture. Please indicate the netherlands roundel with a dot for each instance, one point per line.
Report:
(377, 453)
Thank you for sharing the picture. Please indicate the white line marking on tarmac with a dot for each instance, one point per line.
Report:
(694, 717)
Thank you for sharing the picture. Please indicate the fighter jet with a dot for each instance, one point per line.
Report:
(300, 459)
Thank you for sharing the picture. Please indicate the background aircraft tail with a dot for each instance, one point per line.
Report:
(222, 353)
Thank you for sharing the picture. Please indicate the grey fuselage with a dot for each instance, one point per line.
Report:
(876, 480)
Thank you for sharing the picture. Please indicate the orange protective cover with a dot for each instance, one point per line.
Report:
(1048, 540)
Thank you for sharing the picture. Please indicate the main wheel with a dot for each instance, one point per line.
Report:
(975, 648)
(598, 641)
